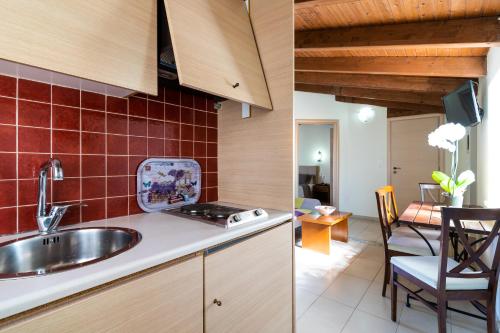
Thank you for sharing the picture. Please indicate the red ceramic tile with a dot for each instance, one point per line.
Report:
(117, 144)
(67, 189)
(211, 150)
(65, 96)
(156, 147)
(7, 86)
(155, 110)
(64, 117)
(200, 133)
(132, 185)
(211, 134)
(172, 131)
(137, 107)
(34, 140)
(93, 165)
(117, 207)
(211, 165)
(211, 104)
(134, 162)
(70, 164)
(137, 145)
(7, 110)
(72, 215)
(134, 206)
(67, 142)
(8, 141)
(200, 118)
(94, 101)
(93, 143)
(172, 96)
(203, 196)
(211, 179)
(187, 99)
(8, 193)
(117, 186)
(187, 149)
(172, 148)
(200, 149)
(116, 105)
(93, 121)
(8, 220)
(29, 164)
(27, 221)
(35, 91)
(95, 210)
(138, 126)
(117, 165)
(28, 191)
(212, 119)
(200, 102)
(93, 187)
(187, 115)
(161, 94)
(34, 114)
(117, 124)
(203, 163)
(212, 194)
(172, 112)
(186, 132)
(155, 129)
(8, 166)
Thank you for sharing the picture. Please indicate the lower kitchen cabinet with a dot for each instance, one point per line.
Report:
(167, 300)
(249, 287)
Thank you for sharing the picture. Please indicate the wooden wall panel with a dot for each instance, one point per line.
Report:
(111, 41)
(256, 154)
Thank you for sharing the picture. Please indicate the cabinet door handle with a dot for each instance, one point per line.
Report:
(236, 85)
(216, 301)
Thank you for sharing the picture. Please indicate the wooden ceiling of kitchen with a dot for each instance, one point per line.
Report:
(426, 46)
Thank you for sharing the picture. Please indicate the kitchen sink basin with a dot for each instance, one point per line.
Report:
(63, 250)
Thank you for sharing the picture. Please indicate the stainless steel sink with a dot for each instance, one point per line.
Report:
(63, 250)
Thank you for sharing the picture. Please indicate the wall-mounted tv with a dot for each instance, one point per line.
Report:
(461, 105)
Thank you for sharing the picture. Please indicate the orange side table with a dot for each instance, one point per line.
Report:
(318, 230)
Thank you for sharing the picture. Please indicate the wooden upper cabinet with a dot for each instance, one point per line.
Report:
(109, 41)
(215, 49)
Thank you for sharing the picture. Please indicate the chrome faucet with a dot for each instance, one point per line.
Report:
(48, 223)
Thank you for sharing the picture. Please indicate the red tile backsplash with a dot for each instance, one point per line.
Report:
(100, 141)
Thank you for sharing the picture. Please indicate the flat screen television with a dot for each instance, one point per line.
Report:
(461, 105)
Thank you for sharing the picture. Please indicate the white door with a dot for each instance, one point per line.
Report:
(411, 159)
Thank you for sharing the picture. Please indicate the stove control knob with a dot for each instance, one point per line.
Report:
(257, 212)
(236, 218)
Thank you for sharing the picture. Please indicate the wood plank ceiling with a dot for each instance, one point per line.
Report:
(402, 54)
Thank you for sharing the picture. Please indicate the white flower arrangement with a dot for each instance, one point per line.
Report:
(446, 136)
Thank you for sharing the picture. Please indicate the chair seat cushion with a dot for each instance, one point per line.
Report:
(412, 245)
(407, 232)
(426, 269)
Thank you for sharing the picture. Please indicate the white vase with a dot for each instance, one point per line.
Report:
(457, 201)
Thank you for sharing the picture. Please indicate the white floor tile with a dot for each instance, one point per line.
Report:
(379, 306)
(347, 289)
(417, 321)
(324, 315)
(303, 300)
(364, 268)
(374, 253)
(364, 322)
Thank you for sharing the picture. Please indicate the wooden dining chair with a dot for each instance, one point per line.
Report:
(431, 192)
(446, 279)
(400, 241)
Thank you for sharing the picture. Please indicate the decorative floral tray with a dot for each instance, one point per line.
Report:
(167, 183)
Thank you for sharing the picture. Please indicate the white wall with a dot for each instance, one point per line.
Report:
(314, 138)
(362, 149)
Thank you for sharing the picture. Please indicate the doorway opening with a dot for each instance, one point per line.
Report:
(318, 160)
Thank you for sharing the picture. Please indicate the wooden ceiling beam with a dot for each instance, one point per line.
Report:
(388, 82)
(314, 88)
(423, 108)
(393, 112)
(461, 33)
(301, 4)
(390, 95)
(465, 67)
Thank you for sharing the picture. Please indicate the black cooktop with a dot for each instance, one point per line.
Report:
(210, 211)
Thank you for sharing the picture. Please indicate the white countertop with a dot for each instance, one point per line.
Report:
(164, 237)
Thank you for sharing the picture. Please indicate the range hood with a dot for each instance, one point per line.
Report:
(166, 61)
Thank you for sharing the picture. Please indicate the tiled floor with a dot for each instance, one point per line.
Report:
(342, 292)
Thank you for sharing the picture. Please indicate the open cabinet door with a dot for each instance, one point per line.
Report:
(215, 49)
